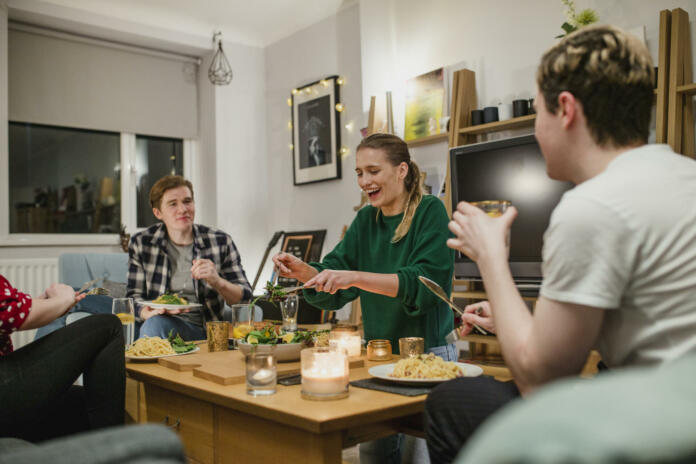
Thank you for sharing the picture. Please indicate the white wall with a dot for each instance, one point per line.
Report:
(329, 47)
(242, 169)
(502, 41)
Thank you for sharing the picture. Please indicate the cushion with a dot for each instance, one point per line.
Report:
(625, 416)
(116, 289)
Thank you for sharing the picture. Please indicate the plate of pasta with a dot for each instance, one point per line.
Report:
(153, 348)
(424, 369)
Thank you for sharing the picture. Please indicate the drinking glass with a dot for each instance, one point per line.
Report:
(288, 308)
(123, 309)
(217, 334)
(261, 374)
(495, 208)
(242, 314)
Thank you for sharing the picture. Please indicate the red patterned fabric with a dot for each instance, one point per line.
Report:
(14, 309)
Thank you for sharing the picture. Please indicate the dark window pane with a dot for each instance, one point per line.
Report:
(155, 157)
(64, 180)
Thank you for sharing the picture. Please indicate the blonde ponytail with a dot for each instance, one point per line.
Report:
(415, 195)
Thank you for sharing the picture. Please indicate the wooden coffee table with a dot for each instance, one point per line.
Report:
(221, 423)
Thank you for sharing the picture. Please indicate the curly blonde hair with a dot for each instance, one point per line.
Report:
(611, 73)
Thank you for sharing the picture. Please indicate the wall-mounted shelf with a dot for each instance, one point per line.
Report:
(427, 140)
(514, 123)
(688, 89)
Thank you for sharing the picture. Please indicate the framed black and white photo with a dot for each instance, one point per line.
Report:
(316, 132)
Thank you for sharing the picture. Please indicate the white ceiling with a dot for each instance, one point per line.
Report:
(250, 22)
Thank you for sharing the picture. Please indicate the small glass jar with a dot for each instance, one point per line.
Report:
(348, 338)
(379, 350)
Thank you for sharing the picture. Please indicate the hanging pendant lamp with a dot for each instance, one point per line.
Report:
(220, 71)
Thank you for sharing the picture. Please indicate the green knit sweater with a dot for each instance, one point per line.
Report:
(415, 312)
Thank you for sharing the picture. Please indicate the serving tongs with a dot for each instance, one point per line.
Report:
(437, 290)
(294, 289)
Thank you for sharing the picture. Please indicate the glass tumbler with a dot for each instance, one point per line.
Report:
(124, 309)
(261, 374)
(288, 308)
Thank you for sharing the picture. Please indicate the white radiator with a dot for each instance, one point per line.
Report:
(32, 276)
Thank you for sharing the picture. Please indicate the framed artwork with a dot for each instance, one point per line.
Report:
(298, 246)
(316, 134)
(425, 105)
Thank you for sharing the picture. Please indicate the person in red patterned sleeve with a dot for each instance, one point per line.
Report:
(38, 398)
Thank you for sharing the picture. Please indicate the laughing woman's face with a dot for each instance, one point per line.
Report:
(381, 181)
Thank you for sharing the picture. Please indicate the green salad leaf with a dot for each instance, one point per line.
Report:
(178, 343)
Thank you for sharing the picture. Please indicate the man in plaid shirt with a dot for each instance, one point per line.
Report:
(177, 256)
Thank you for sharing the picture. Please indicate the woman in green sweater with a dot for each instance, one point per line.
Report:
(401, 236)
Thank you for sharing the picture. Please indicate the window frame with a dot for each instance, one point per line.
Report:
(128, 200)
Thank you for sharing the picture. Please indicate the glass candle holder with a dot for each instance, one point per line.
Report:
(411, 346)
(325, 373)
(346, 338)
(217, 333)
(379, 350)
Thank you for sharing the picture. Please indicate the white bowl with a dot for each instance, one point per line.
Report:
(284, 352)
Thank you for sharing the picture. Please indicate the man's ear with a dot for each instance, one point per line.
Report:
(157, 213)
(568, 108)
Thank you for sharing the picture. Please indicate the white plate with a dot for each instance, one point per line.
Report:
(382, 372)
(170, 307)
(155, 358)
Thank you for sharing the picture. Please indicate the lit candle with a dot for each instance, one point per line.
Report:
(324, 373)
(379, 350)
(345, 341)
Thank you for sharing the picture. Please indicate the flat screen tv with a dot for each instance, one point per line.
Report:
(511, 169)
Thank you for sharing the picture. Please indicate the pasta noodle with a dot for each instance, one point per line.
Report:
(150, 346)
(426, 366)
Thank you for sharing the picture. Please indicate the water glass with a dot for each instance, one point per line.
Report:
(261, 374)
(124, 309)
(242, 313)
(288, 308)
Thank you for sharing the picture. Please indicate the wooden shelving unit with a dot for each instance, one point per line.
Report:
(428, 140)
(687, 90)
(508, 124)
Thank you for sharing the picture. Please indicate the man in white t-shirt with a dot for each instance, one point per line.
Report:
(620, 250)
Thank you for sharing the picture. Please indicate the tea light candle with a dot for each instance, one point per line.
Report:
(324, 373)
(346, 339)
(379, 350)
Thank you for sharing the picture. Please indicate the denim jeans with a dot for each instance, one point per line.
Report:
(389, 450)
(160, 325)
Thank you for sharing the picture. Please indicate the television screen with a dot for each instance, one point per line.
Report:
(511, 169)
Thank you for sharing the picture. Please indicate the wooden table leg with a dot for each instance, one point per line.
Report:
(243, 438)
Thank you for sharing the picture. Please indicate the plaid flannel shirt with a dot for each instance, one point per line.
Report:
(149, 270)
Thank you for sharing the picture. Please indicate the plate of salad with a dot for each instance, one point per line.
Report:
(169, 302)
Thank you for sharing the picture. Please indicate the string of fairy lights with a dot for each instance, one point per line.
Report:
(339, 106)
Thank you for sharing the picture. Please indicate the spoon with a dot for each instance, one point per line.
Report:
(437, 290)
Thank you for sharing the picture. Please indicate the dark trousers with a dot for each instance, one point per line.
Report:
(38, 400)
(455, 409)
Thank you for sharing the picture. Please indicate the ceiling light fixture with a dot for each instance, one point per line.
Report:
(220, 71)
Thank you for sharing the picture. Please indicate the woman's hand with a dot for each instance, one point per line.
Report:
(64, 294)
(293, 267)
(331, 281)
(204, 269)
(478, 235)
(480, 314)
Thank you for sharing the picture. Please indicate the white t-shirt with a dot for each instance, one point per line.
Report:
(625, 241)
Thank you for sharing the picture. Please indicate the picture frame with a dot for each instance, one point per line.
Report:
(316, 133)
